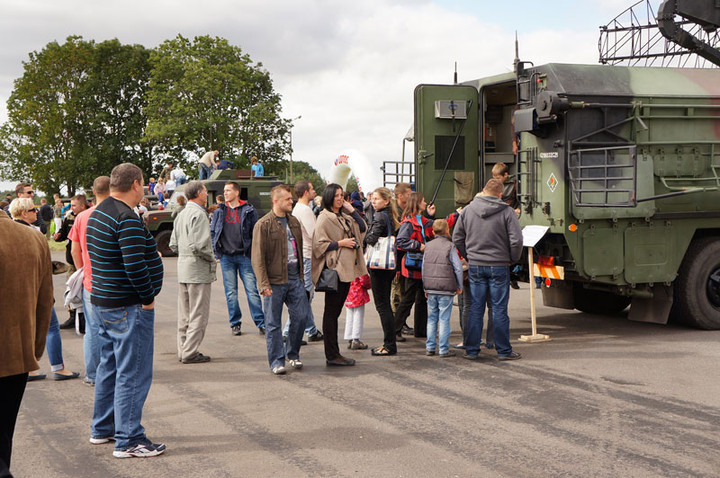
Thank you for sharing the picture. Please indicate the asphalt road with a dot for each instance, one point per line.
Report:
(606, 397)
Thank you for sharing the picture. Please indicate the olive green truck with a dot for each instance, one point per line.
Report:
(621, 163)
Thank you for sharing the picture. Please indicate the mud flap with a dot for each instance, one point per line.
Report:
(559, 295)
(655, 310)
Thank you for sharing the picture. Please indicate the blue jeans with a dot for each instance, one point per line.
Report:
(91, 339)
(53, 344)
(495, 282)
(439, 310)
(232, 265)
(124, 375)
(310, 327)
(293, 295)
(205, 172)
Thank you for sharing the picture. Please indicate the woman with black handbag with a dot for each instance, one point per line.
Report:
(384, 224)
(337, 257)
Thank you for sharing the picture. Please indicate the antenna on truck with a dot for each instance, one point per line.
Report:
(455, 75)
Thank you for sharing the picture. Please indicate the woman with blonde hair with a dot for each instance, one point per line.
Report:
(23, 211)
(337, 240)
(384, 224)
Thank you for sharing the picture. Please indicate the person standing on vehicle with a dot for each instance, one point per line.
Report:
(488, 235)
(127, 275)
(277, 260)
(206, 165)
(257, 168)
(196, 268)
(232, 231)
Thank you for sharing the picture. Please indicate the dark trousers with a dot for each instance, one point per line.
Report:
(334, 302)
(12, 389)
(413, 294)
(380, 281)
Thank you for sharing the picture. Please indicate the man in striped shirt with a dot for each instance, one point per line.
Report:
(127, 274)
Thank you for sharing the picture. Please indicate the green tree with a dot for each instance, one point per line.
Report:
(303, 170)
(205, 94)
(75, 113)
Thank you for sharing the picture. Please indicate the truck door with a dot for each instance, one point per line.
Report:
(446, 145)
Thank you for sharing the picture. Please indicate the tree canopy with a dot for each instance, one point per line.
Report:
(206, 94)
(75, 113)
(82, 107)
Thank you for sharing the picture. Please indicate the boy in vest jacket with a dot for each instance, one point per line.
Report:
(442, 279)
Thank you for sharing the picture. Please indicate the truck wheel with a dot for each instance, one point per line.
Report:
(697, 288)
(599, 302)
(162, 239)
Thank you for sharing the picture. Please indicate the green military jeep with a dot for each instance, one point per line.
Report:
(254, 190)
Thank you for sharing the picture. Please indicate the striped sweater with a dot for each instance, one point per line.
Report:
(126, 267)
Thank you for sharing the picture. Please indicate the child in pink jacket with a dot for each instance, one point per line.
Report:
(355, 306)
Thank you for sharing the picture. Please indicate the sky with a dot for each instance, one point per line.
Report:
(348, 69)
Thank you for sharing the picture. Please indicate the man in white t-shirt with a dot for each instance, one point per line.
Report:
(303, 212)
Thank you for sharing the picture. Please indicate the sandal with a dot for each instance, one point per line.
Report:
(381, 351)
(357, 345)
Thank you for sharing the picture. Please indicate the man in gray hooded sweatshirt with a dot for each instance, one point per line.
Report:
(488, 235)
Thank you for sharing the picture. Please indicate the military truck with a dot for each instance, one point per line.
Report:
(621, 163)
(254, 190)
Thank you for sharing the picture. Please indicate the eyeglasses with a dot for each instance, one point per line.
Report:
(30, 192)
(34, 210)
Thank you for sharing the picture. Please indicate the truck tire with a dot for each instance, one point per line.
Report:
(697, 288)
(162, 239)
(599, 302)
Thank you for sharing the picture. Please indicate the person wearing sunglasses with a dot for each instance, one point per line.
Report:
(23, 211)
(25, 190)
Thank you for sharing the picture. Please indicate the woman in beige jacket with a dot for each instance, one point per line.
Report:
(337, 244)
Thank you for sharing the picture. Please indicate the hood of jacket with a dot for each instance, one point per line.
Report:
(486, 206)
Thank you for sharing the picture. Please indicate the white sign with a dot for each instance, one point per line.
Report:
(550, 155)
(533, 234)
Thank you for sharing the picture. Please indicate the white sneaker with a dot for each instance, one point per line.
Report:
(101, 440)
(295, 363)
(279, 370)
(141, 450)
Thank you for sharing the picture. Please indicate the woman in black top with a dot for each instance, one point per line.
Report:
(384, 223)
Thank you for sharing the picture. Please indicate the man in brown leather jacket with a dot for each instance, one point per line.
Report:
(278, 264)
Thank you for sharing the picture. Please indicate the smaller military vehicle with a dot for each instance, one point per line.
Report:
(254, 190)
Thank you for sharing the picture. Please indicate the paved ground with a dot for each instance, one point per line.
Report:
(606, 397)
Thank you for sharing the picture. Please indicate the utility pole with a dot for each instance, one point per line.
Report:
(292, 181)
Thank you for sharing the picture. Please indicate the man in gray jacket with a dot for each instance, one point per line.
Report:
(488, 235)
(196, 269)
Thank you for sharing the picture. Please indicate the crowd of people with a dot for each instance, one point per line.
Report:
(389, 243)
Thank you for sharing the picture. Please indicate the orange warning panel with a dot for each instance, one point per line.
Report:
(550, 272)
